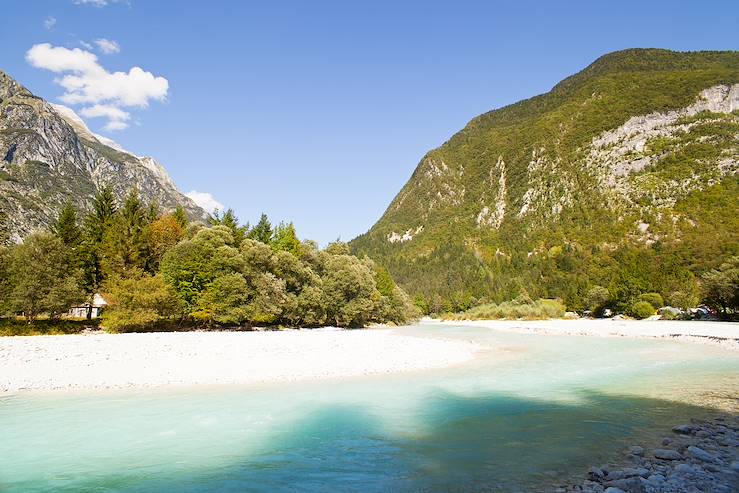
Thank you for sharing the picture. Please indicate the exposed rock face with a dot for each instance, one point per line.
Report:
(48, 156)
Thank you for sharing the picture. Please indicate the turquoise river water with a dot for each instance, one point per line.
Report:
(527, 412)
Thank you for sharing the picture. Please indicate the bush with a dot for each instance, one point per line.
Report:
(512, 310)
(641, 309)
(138, 302)
(654, 299)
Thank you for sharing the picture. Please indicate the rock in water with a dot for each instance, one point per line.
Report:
(667, 454)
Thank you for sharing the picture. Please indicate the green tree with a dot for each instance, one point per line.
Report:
(641, 309)
(654, 299)
(96, 224)
(181, 216)
(286, 240)
(262, 232)
(41, 277)
(349, 288)
(123, 245)
(4, 229)
(225, 301)
(66, 227)
(721, 286)
(596, 299)
(230, 220)
(138, 301)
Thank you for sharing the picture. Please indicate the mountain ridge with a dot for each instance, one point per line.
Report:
(49, 156)
(479, 210)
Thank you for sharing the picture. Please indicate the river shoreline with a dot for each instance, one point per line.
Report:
(722, 334)
(168, 359)
(702, 455)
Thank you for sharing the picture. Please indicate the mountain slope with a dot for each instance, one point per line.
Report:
(623, 175)
(49, 156)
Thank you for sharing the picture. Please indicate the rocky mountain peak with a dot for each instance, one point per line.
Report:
(48, 156)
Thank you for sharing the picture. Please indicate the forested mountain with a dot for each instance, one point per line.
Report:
(49, 157)
(622, 176)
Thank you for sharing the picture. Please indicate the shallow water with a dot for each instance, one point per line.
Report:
(528, 412)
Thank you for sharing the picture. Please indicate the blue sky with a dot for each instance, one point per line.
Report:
(318, 112)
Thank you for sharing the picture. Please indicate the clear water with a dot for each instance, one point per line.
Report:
(543, 410)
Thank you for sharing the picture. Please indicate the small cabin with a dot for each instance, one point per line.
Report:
(89, 310)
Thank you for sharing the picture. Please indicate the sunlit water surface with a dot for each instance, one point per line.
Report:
(528, 412)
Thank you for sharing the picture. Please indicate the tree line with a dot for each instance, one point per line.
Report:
(159, 270)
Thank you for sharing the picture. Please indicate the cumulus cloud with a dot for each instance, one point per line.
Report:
(107, 46)
(117, 118)
(205, 200)
(49, 22)
(94, 3)
(86, 82)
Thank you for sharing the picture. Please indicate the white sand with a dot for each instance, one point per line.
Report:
(724, 334)
(106, 361)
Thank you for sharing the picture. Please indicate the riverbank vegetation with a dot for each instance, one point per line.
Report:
(156, 270)
(522, 308)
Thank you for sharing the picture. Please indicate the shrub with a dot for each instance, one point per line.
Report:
(138, 302)
(654, 299)
(641, 309)
(512, 310)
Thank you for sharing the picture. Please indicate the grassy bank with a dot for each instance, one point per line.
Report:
(512, 310)
(19, 327)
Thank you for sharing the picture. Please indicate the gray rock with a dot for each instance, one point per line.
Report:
(613, 489)
(667, 454)
(734, 466)
(700, 454)
(635, 471)
(666, 441)
(683, 429)
(656, 479)
(702, 434)
(636, 450)
(684, 469)
(596, 474)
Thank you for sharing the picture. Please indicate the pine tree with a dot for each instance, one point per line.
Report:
(4, 230)
(103, 210)
(181, 216)
(96, 224)
(124, 243)
(286, 239)
(230, 220)
(66, 228)
(262, 231)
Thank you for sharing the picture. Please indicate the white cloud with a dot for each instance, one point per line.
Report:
(205, 200)
(95, 3)
(107, 46)
(86, 44)
(49, 22)
(86, 82)
(117, 118)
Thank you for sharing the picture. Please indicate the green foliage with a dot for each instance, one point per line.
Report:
(596, 299)
(721, 286)
(654, 299)
(123, 244)
(285, 239)
(229, 220)
(18, 327)
(262, 231)
(641, 309)
(139, 301)
(513, 310)
(66, 227)
(41, 278)
(453, 262)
